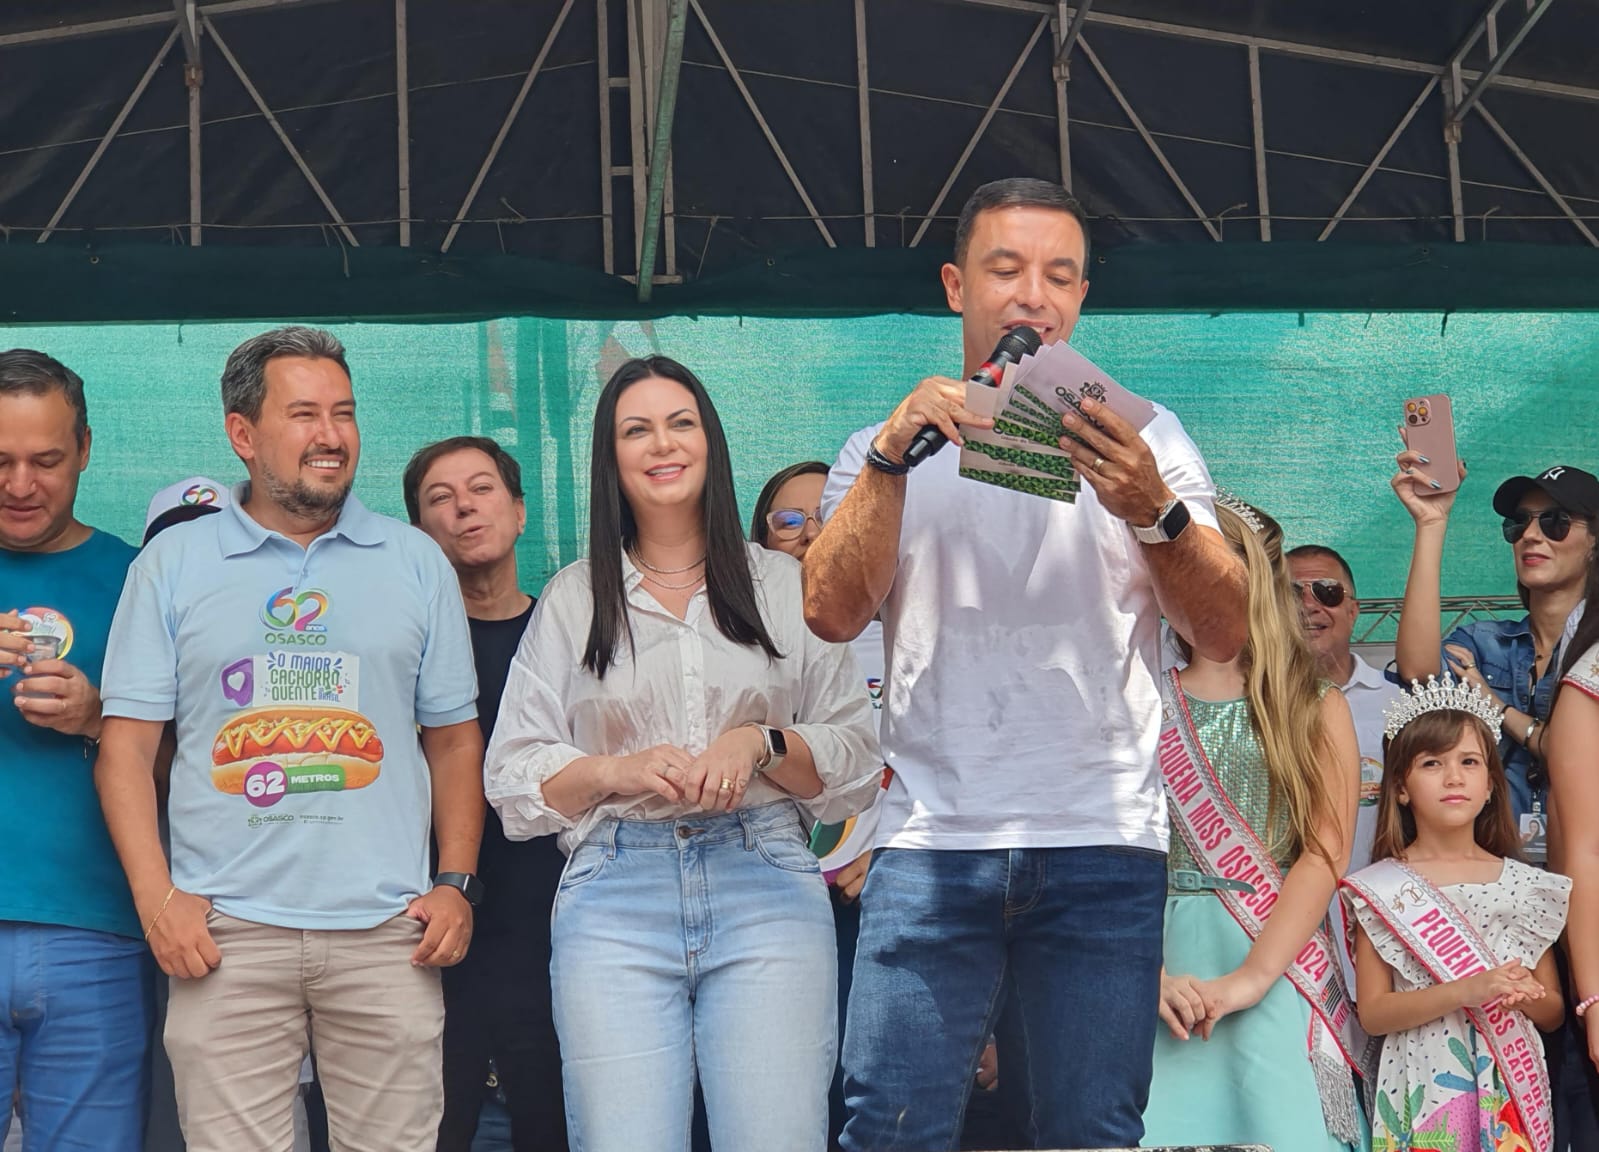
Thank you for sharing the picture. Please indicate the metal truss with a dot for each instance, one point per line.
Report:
(655, 37)
(1379, 616)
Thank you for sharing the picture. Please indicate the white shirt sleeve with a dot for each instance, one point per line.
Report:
(841, 477)
(834, 717)
(532, 736)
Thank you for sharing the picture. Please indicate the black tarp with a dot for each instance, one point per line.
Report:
(532, 240)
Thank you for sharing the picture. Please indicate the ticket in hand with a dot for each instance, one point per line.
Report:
(1022, 452)
(1058, 378)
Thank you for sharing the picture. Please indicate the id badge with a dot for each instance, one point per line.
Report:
(1535, 836)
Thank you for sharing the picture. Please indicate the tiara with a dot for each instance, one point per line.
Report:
(1251, 518)
(1448, 696)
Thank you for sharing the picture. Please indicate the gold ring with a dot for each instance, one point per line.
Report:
(456, 955)
(1098, 464)
(727, 785)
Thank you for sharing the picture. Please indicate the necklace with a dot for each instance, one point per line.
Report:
(666, 571)
(659, 583)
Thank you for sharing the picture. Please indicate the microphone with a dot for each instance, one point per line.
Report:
(1012, 346)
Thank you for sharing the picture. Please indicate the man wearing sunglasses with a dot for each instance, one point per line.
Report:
(1327, 603)
(1548, 523)
(1326, 588)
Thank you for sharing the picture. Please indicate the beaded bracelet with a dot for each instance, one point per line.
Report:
(1582, 1009)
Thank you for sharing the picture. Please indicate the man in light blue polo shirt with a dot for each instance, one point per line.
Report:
(300, 643)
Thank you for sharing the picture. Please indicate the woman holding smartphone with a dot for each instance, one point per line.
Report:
(668, 713)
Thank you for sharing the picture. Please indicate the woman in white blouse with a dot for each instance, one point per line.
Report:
(668, 713)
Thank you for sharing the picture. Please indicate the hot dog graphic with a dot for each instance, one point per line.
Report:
(318, 748)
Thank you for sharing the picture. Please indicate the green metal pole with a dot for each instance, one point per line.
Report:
(666, 105)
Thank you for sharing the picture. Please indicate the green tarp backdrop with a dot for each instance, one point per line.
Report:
(1297, 413)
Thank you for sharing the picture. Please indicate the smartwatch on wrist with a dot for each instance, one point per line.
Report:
(776, 747)
(1169, 524)
(464, 882)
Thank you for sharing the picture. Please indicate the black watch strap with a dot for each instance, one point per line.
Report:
(466, 883)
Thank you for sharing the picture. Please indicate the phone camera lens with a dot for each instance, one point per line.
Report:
(1412, 419)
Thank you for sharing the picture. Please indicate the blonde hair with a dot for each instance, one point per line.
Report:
(1284, 688)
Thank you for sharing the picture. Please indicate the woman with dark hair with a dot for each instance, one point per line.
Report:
(788, 512)
(668, 713)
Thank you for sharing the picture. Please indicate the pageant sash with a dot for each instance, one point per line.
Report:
(1224, 844)
(1435, 932)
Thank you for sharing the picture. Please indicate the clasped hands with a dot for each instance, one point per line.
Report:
(1190, 1005)
(714, 781)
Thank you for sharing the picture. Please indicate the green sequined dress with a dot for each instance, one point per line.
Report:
(1252, 1082)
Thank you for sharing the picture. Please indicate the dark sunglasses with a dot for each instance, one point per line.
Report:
(1328, 593)
(788, 523)
(1554, 523)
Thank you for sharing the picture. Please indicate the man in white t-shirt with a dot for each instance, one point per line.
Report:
(1326, 588)
(1022, 839)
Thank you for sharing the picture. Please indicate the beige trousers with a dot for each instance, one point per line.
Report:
(236, 1038)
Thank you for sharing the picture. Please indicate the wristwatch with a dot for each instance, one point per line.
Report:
(776, 748)
(1169, 524)
(468, 885)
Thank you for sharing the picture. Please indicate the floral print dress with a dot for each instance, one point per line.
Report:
(1438, 1088)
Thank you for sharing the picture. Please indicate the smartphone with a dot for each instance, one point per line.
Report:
(1430, 430)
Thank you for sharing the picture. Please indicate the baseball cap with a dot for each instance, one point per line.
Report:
(186, 500)
(1571, 488)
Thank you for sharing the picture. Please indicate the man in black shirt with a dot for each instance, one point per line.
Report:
(466, 493)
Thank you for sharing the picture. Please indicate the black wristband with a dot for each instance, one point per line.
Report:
(883, 464)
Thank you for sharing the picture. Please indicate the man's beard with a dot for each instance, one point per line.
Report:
(301, 499)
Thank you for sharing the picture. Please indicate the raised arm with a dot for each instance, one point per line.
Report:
(1203, 590)
(850, 567)
(1419, 643)
(1202, 587)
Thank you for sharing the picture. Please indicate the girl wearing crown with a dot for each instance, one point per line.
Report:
(1452, 939)
(1262, 776)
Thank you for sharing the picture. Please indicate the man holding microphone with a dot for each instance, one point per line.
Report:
(1023, 837)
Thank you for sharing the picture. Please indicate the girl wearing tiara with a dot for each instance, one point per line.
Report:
(1262, 775)
(1452, 939)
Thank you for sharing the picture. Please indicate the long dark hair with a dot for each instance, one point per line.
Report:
(759, 529)
(613, 530)
(1435, 733)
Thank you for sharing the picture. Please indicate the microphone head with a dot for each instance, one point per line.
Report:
(1016, 343)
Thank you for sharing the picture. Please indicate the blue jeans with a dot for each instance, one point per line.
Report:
(76, 1008)
(1077, 934)
(699, 944)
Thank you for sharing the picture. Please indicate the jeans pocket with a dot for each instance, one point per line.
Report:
(583, 865)
(784, 848)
